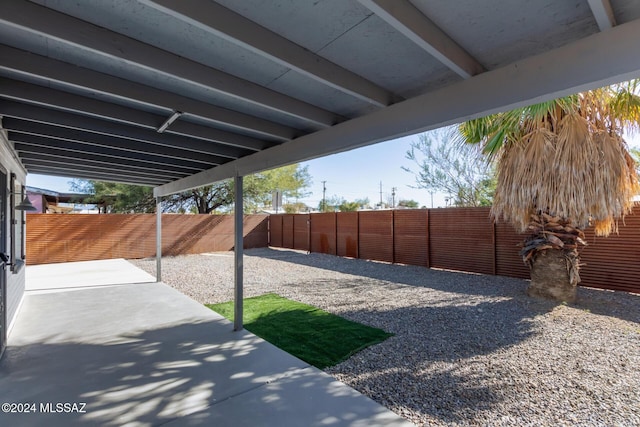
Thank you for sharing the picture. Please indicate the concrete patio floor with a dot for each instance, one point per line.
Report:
(143, 354)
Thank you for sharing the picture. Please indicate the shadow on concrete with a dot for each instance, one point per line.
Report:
(146, 355)
(170, 376)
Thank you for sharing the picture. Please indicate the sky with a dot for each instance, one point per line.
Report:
(357, 174)
(351, 175)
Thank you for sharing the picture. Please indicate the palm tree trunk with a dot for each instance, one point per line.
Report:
(551, 252)
(551, 276)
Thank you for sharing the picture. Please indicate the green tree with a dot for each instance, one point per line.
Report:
(292, 180)
(459, 170)
(336, 203)
(363, 203)
(114, 197)
(296, 207)
(410, 204)
(203, 200)
(561, 166)
(330, 204)
(348, 206)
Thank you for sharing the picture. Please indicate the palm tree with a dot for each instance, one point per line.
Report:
(562, 165)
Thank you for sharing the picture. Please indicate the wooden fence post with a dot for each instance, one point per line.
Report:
(428, 239)
(358, 234)
(393, 236)
(309, 232)
(493, 244)
(335, 248)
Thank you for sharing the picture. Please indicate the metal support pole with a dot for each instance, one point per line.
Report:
(158, 239)
(238, 249)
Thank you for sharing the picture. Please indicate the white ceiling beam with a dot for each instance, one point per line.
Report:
(601, 59)
(603, 13)
(243, 32)
(83, 35)
(30, 64)
(413, 24)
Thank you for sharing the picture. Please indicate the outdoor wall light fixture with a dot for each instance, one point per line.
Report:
(172, 118)
(25, 205)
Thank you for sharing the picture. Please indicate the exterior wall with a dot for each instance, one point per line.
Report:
(38, 202)
(15, 280)
(15, 293)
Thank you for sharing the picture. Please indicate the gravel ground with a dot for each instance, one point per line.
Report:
(468, 349)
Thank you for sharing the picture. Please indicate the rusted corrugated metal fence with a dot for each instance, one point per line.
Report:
(66, 238)
(456, 238)
(464, 239)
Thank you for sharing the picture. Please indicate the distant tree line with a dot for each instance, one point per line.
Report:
(339, 204)
(292, 181)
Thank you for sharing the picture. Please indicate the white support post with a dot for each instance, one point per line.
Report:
(238, 250)
(158, 239)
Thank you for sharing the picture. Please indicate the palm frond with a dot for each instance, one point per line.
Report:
(565, 157)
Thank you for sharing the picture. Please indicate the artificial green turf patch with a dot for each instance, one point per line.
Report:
(319, 338)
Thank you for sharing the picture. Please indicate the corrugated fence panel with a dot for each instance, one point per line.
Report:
(287, 231)
(275, 231)
(411, 243)
(462, 239)
(610, 263)
(42, 246)
(256, 231)
(347, 229)
(67, 238)
(458, 239)
(323, 233)
(195, 235)
(613, 262)
(376, 235)
(508, 259)
(301, 232)
(210, 233)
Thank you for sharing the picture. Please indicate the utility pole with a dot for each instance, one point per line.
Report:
(431, 199)
(393, 197)
(380, 194)
(324, 193)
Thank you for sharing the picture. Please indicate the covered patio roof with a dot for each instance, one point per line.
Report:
(178, 94)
